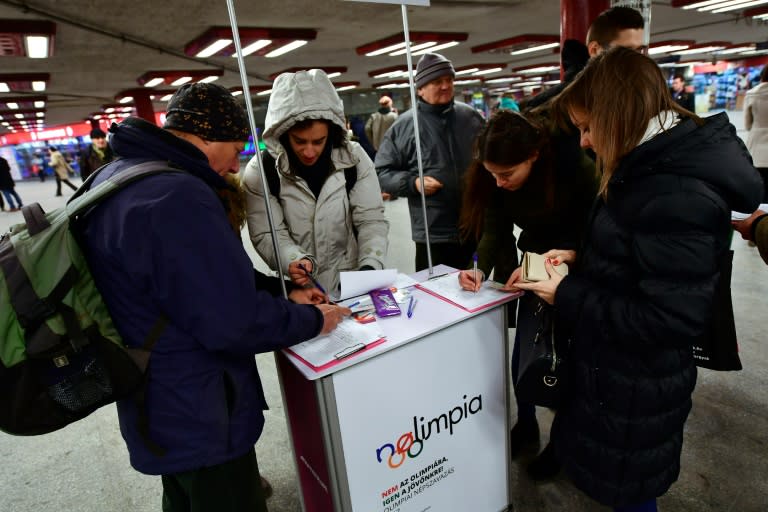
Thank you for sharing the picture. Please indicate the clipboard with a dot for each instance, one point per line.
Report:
(339, 356)
(447, 288)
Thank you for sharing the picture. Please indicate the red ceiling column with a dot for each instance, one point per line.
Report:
(143, 105)
(576, 16)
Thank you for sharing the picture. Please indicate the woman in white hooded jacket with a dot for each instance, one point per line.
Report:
(756, 122)
(321, 225)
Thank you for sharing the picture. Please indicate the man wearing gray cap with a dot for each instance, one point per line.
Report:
(167, 260)
(447, 131)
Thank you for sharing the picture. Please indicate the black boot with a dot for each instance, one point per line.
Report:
(545, 466)
(524, 434)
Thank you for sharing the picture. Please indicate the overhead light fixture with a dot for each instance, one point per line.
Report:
(254, 47)
(733, 6)
(466, 71)
(668, 46)
(488, 71)
(760, 13)
(38, 86)
(390, 72)
(39, 104)
(538, 69)
(521, 44)
(737, 48)
(345, 88)
(155, 81)
(421, 42)
(209, 79)
(19, 116)
(109, 110)
(39, 114)
(126, 99)
(4, 87)
(264, 93)
(214, 47)
(27, 38)
(177, 77)
(709, 47)
(334, 75)
(12, 105)
(503, 79)
(235, 93)
(285, 49)
(466, 81)
(167, 97)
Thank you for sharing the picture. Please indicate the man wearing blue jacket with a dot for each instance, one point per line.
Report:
(163, 248)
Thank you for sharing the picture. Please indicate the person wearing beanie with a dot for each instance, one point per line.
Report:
(97, 154)
(447, 131)
(324, 194)
(167, 260)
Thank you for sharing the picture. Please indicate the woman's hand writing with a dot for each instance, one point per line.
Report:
(468, 280)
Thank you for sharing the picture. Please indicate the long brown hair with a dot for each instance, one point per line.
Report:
(508, 139)
(620, 91)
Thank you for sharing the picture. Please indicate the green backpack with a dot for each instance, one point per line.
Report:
(61, 356)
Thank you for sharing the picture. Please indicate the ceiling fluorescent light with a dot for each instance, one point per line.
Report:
(386, 49)
(488, 71)
(287, 48)
(466, 71)
(13, 105)
(39, 104)
(535, 48)
(109, 110)
(126, 99)
(542, 69)
(414, 48)
(701, 4)
(167, 97)
(38, 86)
(4, 87)
(737, 49)
(209, 79)
(264, 93)
(502, 80)
(346, 88)
(37, 47)
(154, 82)
(435, 48)
(40, 114)
(740, 5)
(254, 47)
(334, 75)
(237, 93)
(667, 48)
(703, 49)
(213, 48)
(181, 81)
(19, 116)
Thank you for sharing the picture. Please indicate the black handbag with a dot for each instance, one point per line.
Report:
(542, 372)
(719, 349)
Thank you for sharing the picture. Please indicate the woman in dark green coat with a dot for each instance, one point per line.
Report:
(526, 173)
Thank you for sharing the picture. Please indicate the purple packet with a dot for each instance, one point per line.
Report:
(384, 302)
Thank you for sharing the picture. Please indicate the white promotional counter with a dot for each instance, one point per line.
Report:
(416, 423)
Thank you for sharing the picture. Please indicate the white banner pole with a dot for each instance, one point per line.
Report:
(254, 134)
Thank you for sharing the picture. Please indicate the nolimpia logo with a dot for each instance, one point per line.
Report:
(410, 444)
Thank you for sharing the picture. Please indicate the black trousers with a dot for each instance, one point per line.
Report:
(233, 486)
(454, 255)
(764, 173)
(59, 181)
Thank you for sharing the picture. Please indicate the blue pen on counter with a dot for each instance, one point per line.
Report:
(356, 303)
(314, 282)
(411, 306)
(474, 268)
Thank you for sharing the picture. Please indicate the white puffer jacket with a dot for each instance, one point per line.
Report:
(322, 228)
(756, 121)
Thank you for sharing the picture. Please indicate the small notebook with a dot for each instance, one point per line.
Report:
(534, 270)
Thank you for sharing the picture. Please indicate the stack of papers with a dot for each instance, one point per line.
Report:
(447, 288)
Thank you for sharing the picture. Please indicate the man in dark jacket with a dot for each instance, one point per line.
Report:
(7, 186)
(447, 131)
(163, 248)
(680, 95)
(97, 154)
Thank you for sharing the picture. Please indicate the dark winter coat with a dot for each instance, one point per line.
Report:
(447, 134)
(640, 297)
(164, 246)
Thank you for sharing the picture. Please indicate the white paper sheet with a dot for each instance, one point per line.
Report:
(348, 337)
(447, 287)
(358, 283)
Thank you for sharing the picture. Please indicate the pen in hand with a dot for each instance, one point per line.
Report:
(474, 269)
(314, 281)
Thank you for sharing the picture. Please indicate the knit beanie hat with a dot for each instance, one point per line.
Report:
(432, 66)
(97, 133)
(208, 111)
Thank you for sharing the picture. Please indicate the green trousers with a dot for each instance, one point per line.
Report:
(233, 486)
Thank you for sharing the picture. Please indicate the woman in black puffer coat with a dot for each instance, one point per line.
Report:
(641, 293)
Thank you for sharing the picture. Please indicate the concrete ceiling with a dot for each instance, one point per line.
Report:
(102, 47)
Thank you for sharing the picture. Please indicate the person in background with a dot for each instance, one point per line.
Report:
(447, 130)
(163, 248)
(508, 103)
(61, 169)
(8, 187)
(97, 154)
(323, 226)
(642, 288)
(530, 174)
(680, 95)
(756, 123)
(380, 121)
